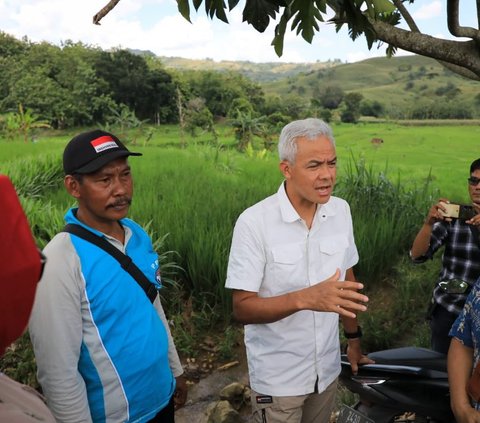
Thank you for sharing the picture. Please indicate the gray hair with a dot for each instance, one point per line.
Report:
(310, 128)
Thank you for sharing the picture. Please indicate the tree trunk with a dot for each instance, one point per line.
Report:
(464, 55)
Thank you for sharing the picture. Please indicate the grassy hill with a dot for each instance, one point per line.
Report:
(396, 82)
(399, 83)
(260, 72)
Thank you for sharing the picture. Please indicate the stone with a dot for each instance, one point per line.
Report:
(234, 393)
(222, 412)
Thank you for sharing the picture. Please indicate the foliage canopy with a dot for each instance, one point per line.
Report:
(377, 20)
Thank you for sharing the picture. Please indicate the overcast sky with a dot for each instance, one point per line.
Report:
(156, 25)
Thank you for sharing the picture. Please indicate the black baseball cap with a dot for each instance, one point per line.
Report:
(90, 151)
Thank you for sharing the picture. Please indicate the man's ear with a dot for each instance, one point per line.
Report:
(285, 168)
(72, 186)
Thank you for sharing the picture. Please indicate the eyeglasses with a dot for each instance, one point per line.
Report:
(473, 181)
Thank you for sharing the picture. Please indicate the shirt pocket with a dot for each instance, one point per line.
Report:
(333, 253)
(289, 268)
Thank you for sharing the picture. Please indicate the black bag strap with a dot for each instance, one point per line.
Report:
(125, 261)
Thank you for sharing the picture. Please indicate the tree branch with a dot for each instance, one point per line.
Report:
(459, 70)
(406, 15)
(462, 56)
(478, 14)
(454, 25)
(101, 14)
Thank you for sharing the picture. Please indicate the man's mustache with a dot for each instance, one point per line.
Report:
(121, 202)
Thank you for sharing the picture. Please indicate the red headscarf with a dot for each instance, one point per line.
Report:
(20, 266)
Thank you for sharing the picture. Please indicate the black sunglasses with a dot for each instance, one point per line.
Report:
(473, 180)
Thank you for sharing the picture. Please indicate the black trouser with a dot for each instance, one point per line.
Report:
(440, 325)
(167, 415)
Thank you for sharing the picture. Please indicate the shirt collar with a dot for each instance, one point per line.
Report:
(289, 214)
(71, 217)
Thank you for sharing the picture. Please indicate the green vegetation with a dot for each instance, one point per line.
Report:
(209, 140)
(189, 194)
(79, 86)
(208, 132)
(415, 154)
(259, 72)
(407, 87)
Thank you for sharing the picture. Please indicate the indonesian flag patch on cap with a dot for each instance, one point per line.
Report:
(104, 143)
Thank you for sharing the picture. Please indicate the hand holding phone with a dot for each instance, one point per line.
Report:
(457, 211)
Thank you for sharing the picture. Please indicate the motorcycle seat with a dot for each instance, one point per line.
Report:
(411, 356)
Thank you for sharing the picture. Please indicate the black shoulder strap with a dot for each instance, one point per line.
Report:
(125, 261)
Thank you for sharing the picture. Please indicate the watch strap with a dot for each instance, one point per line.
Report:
(353, 335)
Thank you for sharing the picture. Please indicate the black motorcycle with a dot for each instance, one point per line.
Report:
(405, 384)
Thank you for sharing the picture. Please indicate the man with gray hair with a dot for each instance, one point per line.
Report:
(291, 272)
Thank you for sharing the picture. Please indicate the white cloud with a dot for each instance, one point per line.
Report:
(429, 11)
(156, 25)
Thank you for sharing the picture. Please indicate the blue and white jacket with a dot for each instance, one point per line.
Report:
(104, 352)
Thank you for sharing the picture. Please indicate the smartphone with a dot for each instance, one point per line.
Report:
(458, 211)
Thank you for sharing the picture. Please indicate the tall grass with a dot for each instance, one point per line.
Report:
(386, 216)
(47, 141)
(35, 176)
(195, 196)
(438, 155)
(189, 199)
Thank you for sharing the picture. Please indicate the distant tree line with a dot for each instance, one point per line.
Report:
(77, 85)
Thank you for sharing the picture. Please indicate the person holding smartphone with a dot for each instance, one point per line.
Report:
(460, 260)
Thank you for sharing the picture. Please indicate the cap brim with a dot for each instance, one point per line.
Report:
(101, 161)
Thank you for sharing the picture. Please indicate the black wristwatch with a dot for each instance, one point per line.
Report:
(353, 335)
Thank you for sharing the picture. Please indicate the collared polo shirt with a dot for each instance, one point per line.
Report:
(273, 252)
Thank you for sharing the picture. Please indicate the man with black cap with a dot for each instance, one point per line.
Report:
(104, 351)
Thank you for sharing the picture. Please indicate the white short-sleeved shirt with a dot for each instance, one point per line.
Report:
(273, 252)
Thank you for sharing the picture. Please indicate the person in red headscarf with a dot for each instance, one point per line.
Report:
(20, 269)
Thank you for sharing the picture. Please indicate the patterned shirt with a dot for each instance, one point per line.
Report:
(467, 326)
(460, 260)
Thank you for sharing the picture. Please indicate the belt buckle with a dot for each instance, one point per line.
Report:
(454, 286)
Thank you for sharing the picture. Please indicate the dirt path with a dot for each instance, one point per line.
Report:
(206, 391)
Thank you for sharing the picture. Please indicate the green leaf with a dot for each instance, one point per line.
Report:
(184, 9)
(307, 17)
(232, 4)
(391, 50)
(371, 10)
(321, 5)
(277, 42)
(217, 8)
(258, 13)
(280, 3)
(383, 6)
(197, 4)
